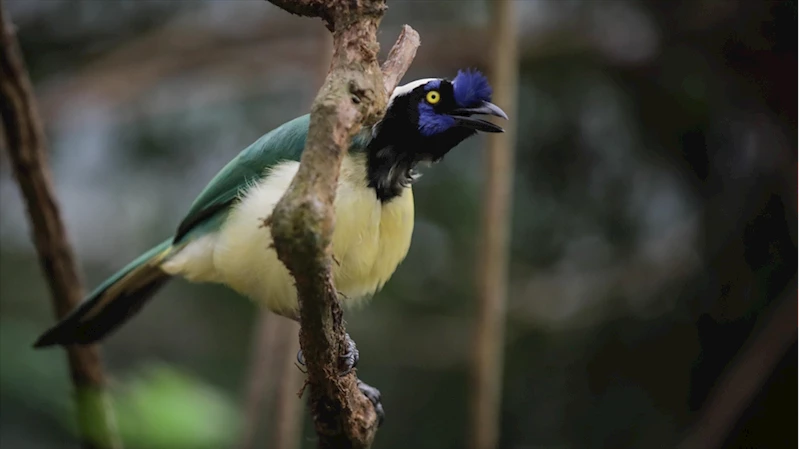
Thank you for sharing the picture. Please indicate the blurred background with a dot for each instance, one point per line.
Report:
(653, 229)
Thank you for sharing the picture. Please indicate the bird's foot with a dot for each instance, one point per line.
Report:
(348, 360)
(301, 362)
(373, 394)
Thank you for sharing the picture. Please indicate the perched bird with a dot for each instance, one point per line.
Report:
(221, 239)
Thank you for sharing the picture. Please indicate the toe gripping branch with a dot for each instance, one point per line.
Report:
(348, 361)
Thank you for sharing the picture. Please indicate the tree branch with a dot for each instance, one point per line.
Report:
(400, 57)
(492, 271)
(263, 359)
(737, 387)
(307, 8)
(26, 148)
(353, 95)
(272, 384)
(288, 413)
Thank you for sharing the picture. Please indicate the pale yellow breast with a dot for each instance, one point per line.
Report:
(369, 241)
(370, 238)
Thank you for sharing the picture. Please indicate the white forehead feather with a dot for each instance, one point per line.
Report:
(404, 89)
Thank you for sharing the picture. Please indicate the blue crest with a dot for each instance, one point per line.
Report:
(471, 88)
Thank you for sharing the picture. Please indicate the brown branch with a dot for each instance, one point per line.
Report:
(307, 8)
(493, 258)
(302, 222)
(275, 346)
(399, 58)
(263, 357)
(25, 141)
(272, 383)
(288, 416)
(773, 335)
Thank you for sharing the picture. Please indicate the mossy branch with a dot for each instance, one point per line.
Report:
(354, 94)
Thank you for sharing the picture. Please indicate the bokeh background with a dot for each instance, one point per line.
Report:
(654, 218)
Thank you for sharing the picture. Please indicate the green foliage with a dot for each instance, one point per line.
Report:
(164, 408)
(160, 407)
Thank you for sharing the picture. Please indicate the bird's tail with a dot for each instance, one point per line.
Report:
(113, 302)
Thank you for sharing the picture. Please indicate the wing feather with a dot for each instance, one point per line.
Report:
(284, 143)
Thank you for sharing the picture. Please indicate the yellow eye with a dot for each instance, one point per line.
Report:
(433, 97)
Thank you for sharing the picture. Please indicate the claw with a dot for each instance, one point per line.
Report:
(373, 394)
(349, 361)
(350, 358)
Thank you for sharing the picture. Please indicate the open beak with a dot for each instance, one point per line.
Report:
(463, 117)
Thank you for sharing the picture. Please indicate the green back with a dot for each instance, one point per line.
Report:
(209, 210)
(284, 143)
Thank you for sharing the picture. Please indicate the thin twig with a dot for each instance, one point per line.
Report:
(302, 222)
(493, 258)
(25, 141)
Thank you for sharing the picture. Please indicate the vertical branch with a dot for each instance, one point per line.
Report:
(272, 383)
(302, 222)
(288, 407)
(273, 378)
(25, 141)
(493, 256)
(260, 382)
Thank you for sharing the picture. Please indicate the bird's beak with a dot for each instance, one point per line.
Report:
(463, 117)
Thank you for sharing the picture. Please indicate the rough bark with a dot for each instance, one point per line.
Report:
(353, 95)
(493, 258)
(25, 143)
(275, 346)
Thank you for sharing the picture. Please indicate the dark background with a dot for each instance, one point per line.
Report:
(654, 221)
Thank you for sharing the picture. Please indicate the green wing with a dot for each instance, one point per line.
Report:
(117, 299)
(209, 210)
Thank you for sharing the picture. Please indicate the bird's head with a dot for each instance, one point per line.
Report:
(424, 120)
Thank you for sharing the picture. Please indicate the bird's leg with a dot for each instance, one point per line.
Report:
(349, 359)
(373, 394)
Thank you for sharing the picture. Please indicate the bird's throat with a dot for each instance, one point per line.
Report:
(390, 171)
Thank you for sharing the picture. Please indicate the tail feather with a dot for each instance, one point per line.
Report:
(113, 302)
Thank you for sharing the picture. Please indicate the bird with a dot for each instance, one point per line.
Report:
(222, 240)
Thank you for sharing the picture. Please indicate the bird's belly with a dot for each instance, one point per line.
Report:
(370, 238)
(369, 241)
